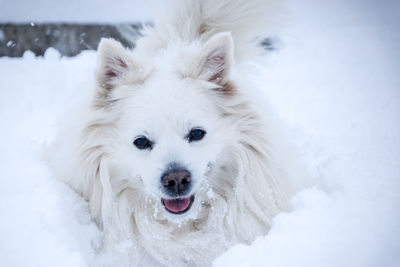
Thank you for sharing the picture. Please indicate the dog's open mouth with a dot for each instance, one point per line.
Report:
(178, 205)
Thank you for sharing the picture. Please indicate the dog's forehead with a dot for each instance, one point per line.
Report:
(167, 100)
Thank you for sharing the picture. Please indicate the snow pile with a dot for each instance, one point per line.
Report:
(43, 223)
(335, 84)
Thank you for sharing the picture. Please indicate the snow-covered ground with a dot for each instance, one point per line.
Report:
(335, 83)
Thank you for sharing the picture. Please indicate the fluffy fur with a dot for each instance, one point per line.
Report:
(185, 72)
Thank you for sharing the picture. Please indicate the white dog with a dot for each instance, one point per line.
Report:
(173, 157)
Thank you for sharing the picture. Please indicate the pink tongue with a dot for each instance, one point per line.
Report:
(177, 205)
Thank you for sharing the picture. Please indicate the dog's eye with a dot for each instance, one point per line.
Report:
(143, 143)
(196, 135)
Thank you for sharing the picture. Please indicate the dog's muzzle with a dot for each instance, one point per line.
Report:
(176, 183)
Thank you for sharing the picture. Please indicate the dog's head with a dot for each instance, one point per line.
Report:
(168, 128)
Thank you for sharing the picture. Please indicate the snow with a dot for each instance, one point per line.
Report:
(43, 223)
(334, 83)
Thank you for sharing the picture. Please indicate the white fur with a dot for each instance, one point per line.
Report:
(184, 73)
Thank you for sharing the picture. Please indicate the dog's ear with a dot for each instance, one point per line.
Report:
(114, 63)
(216, 59)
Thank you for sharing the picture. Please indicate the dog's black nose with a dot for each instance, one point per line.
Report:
(176, 183)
